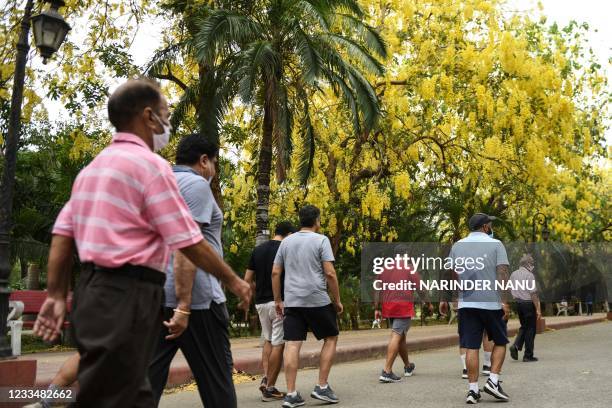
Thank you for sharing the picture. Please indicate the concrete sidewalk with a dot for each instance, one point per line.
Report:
(352, 345)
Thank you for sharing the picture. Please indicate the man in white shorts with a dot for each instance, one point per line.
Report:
(259, 276)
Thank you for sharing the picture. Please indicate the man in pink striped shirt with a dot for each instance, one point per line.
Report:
(125, 215)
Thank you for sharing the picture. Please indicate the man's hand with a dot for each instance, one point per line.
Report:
(176, 325)
(506, 310)
(280, 308)
(538, 315)
(443, 308)
(243, 290)
(50, 319)
(339, 307)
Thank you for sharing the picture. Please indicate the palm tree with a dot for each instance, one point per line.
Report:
(278, 52)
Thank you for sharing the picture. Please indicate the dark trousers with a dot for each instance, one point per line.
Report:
(114, 320)
(589, 308)
(206, 347)
(527, 332)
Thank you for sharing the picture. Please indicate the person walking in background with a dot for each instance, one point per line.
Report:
(259, 276)
(487, 347)
(398, 307)
(205, 343)
(589, 303)
(125, 215)
(307, 259)
(478, 258)
(528, 306)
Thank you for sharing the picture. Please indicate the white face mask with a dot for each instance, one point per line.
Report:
(160, 140)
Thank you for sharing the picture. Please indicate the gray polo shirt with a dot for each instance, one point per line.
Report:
(196, 191)
(302, 255)
(486, 254)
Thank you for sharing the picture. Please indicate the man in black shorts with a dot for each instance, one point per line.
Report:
(307, 259)
(482, 260)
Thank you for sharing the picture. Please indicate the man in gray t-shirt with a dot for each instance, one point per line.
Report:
(307, 260)
(205, 343)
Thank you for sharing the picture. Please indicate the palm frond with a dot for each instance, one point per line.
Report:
(318, 11)
(367, 33)
(189, 99)
(309, 56)
(259, 58)
(356, 51)
(221, 29)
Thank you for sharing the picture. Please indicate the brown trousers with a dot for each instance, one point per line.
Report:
(116, 322)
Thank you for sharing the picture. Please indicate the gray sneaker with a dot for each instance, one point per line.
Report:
(295, 401)
(386, 377)
(408, 371)
(326, 394)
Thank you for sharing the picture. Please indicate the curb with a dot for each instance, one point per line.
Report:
(181, 374)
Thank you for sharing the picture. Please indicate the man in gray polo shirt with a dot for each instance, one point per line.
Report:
(205, 343)
(307, 259)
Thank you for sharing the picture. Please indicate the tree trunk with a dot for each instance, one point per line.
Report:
(263, 171)
(33, 280)
(207, 120)
(23, 264)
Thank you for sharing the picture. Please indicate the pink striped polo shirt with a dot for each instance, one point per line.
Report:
(125, 207)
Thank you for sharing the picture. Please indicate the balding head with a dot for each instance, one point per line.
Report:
(130, 99)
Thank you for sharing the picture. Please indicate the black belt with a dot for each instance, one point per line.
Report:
(131, 271)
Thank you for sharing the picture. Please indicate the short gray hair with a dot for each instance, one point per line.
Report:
(526, 260)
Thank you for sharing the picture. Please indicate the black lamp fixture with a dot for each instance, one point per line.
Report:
(50, 30)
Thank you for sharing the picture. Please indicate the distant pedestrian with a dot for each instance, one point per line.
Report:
(481, 258)
(589, 303)
(398, 307)
(528, 306)
(124, 216)
(259, 276)
(307, 259)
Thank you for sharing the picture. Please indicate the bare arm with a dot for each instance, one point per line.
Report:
(536, 302)
(59, 266)
(332, 281)
(205, 257)
(249, 277)
(277, 270)
(50, 318)
(184, 274)
(503, 275)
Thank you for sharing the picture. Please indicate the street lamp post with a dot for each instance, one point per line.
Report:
(50, 30)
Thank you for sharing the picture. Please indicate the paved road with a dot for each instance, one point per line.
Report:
(574, 371)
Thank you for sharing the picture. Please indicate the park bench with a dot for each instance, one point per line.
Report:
(564, 308)
(28, 303)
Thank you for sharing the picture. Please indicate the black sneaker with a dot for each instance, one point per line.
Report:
(324, 394)
(264, 384)
(408, 371)
(292, 402)
(495, 390)
(386, 377)
(529, 359)
(486, 370)
(464, 374)
(272, 394)
(472, 397)
(513, 352)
